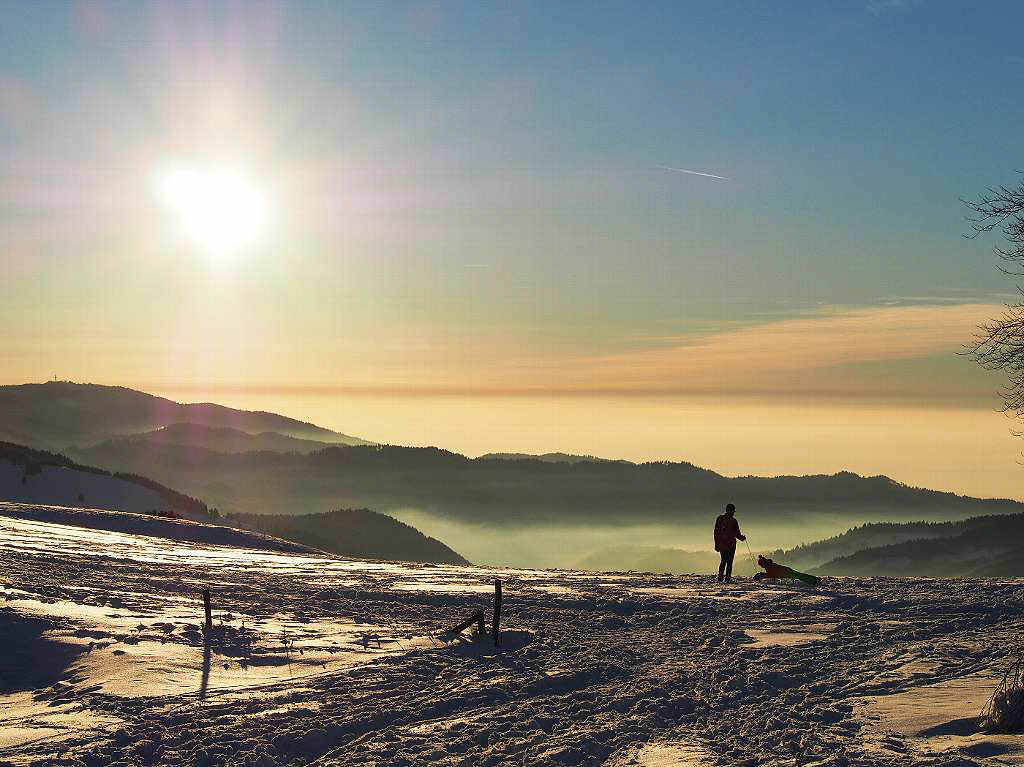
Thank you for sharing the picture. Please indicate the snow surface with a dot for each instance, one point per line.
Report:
(180, 530)
(315, 660)
(60, 485)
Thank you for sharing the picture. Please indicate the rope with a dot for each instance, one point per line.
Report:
(752, 557)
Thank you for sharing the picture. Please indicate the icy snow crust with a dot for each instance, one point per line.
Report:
(326, 661)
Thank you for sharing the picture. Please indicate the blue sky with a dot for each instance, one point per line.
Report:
(458, 178)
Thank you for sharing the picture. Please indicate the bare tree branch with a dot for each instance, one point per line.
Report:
(999, 343)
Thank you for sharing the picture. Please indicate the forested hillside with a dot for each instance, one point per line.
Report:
(355, 533)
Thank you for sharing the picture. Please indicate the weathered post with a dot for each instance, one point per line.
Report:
(206, 606)
(497, 609)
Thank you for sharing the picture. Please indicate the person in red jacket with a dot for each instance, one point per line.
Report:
(727, 532)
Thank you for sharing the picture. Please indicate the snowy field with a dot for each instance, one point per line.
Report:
(323, 661)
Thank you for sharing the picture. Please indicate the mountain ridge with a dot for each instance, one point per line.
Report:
(56, 415)
(223, 439)
(545, 457)
(983, 546)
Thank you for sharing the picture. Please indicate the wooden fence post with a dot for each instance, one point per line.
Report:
(206, 606)
(497, 609)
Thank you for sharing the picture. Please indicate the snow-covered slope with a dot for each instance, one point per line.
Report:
(63, 486)
(318, 660)
(178, 530)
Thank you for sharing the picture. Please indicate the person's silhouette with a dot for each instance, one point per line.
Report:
(727, 531)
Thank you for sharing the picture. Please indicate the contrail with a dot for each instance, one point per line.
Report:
(695, 173)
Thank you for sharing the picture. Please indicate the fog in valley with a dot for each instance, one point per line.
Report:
(665, 546)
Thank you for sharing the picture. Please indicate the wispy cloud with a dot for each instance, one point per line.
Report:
(694, 172)
(777, 354)
(881, 7)
(865, 353)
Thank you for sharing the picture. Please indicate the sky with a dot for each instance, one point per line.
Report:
(357, 211)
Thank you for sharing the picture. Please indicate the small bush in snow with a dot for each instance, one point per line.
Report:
(1005, 710)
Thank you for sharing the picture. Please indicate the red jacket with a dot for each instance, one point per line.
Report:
(727, 530)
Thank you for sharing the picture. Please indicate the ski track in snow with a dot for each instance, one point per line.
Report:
(324, 661)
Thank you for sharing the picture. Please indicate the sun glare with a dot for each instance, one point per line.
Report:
(219, 210)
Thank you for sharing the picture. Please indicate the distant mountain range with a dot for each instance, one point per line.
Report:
(58, 414)
(547, 510)
(532, 512)
(510, 492)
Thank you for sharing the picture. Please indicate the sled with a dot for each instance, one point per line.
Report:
(813, 580)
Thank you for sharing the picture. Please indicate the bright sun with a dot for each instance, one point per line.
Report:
(220, 210)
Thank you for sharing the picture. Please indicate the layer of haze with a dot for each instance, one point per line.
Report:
(968, 450)
(471, 234)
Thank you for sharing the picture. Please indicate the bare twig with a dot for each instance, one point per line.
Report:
(999, 343)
